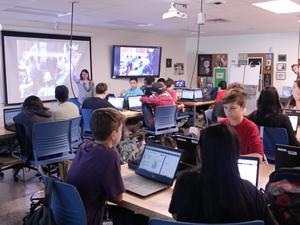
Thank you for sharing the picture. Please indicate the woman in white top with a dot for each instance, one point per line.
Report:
(85, 86)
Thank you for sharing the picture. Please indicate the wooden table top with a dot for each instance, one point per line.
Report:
(131, 114)
(157, 205)
(196, 103)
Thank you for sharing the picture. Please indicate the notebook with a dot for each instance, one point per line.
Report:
(287, 156)
(118, 103)
(8, 115)
(180, 84)
(156, 170)
(249, 169)
(134, 103)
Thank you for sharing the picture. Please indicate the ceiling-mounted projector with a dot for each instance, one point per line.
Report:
(173, 12)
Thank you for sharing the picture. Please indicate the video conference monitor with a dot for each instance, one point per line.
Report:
(36, 63)
(136, 61)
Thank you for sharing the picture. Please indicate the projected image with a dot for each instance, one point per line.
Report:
(35, 66)
(136, 61)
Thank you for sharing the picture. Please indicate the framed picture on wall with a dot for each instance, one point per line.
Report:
(280, 75)
(205, 65)
(281, 66)
(281, 58)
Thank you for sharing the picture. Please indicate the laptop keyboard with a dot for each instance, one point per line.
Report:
(135, 181)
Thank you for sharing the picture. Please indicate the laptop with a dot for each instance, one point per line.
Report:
(198, 95)
(187, 94)
(134, 103)
(286, 156)
(156, 170)
(249, 169)
(8, 115)
(180, 84)
(118, 103)
(294, 118)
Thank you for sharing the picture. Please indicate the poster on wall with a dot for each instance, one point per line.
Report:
(178, 69)
(205, 65)
(220, 73)
(220, 60)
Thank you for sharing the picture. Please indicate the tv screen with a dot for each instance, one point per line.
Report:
(36, 63)
(136, 61)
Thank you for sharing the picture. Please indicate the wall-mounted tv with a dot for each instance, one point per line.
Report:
(136, 61)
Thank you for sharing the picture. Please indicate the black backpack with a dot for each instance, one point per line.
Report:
(283, 195)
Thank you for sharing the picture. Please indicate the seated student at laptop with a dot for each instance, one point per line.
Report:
(146, 88)
(134, 90)
(234, 103)
(65, 110)
(95, 171)
(99, 101)
(170, 84)
(294, 100)
(159, 97)
(269, 113)
(216, 193)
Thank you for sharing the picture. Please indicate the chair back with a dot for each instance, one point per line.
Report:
(172, 222)
(86, 117)
(75, 130)
(66, 205)
(51, 140)
(272, 136)
(76, 102)
(165, 119)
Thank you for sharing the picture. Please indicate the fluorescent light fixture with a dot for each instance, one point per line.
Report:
(64, 14)
(145, 24)
(279, 6)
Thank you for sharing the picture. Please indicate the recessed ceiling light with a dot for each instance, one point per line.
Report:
(279, 6)
(145, 25)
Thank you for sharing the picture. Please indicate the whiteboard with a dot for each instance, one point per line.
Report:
(252, 75)
(236, 74)
(244, 74)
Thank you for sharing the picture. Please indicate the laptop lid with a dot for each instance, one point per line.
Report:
(180, 84)
(287, 156)
(159, 163)
(249, 169)
(118, 103)
(9, 114)
(198, 94)
(134, 102)
(189, 147)
(286, 91)
(294, 121)
(187, 94)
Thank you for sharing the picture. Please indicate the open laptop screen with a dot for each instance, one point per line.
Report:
(198, 94)
(249, 168)
(294, 122)
(134, 102)
(160, 160)
(117, 102)
(187, 94)
(9, 114)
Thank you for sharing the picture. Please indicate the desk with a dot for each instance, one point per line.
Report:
(131, 114)
(157, 205)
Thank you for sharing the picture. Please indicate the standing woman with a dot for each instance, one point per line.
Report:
(217, 193)
(85, 86)
(294, 101)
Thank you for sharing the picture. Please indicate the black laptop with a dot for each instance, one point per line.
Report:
(287, 156)
(134, 103)
(8, 115)
(156, 170)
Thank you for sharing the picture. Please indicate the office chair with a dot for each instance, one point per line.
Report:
(76, 102)
(76, 139)
(66, 205)
(51, 143)
(272, 136)
(173, 222)
(86, 117)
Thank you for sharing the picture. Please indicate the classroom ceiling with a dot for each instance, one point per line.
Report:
(232, 17)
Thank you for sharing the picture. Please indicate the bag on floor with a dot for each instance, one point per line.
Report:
(283, 195)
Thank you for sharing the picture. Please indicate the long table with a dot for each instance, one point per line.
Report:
(157, 205)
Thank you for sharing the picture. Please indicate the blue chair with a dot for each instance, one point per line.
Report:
(76, 139)
(86, 117)
(76, 102)
(164, 120)
(66, 205)
(272, 136)
(51, 143)
(173, 222)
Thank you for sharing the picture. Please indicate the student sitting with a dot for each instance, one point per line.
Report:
(269, 113)
(294, 100)
(95, 171)
(234, 103)
(159, 97)
(133, 90)
(146, 88)
(216, 193)
(66, 110)
(99, 101)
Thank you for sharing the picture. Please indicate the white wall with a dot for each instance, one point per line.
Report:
(277, 43)
(102, 41)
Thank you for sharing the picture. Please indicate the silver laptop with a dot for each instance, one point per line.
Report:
(198, 95)
(118, 103)
(155, 172)
(134, 103)
(8, 115)
(249, 169)
(187, 94)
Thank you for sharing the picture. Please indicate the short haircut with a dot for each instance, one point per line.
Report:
(162, 80)
(133, 78)
(294, 65)
(169, 82)
(222, 84)
(237, 95)
(236, 85)
(149, 80)
(61, 93)
(104, 121)
(101, 88)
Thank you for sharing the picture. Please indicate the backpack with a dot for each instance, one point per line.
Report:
(129, 150)
(283, 195)
(40, 211)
